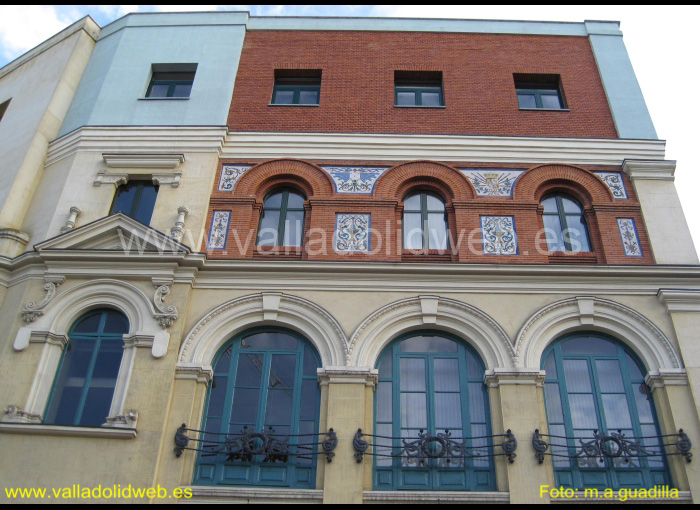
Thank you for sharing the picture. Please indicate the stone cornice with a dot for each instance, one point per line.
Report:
(680, 300)
(127, 160)
(666, 377)
(511, 376)
(656, 170)
(348, 375)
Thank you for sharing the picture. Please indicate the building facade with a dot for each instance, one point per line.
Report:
(343, 260)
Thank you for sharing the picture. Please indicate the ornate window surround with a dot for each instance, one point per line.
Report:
(161, 168)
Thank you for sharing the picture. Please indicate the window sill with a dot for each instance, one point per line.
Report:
(66, 430)
(434, 497)
(419, 106)
(430, 256)
(563, 257)
(164, 98)
(306, 105)
(257, 494)
(544, 109)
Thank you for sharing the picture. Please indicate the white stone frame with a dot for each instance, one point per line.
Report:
(51, 329)
(463, 320)
(587, 313)
(213, 330)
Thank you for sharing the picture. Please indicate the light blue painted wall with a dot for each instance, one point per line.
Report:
(625, 98)
(112, 88)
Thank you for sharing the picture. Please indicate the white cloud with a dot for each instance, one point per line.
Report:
(24, 26)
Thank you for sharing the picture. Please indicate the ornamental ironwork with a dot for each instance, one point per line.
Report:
(249, 446)
(451, 450)
(615, 445)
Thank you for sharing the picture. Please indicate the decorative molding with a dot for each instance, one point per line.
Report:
(40, 429)
(143, 160)
(508, 376)
(487, 149)
(498, 235)
(492, 182)
(663, 378)
(348, 375)
(32, 310)
(680, 300)
(17, 236)
(172, 178)
(354, 179)
(615, 183)
(165, 315)
(629, 237)
(110, 178)
(70, 223)
(655, 170)
(179, 229)
(352, 233)
(230, 175)
(15, 414)
(194, 372)
(123, 421)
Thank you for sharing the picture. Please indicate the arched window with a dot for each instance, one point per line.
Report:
(564, 224)
(424, 222)
(594, 383)
(431, 382)
(282, 219)
(262, 378)
(84, 385)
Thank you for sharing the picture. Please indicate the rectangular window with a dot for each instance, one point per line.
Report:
(297, 86)
(136, 199)
(3, 108)
(538, 91)
(171, 80)
(418, 88)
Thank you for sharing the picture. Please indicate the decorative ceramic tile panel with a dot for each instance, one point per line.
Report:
(491, 181)
(615, 182)
(229, 175)
(354, 179)
(218, 230)
(498, 235)
(351, 233)
(629, 236)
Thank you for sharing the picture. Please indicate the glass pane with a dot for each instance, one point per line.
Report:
(412, 231)
(634, 369)
(588, 345)
(474, 368)
(385, 367)
(430, 99)
(413, 410)
(273, 201)
(435, 204)
(412, 203)
(116, 323)
(652, 446)
(446, 375)
(428, 344)
(577, 377)
(641, 397)
(576, 234)
(558, 430)
(309, 392)
(182, 90)
(412, 374)
(553, 399)
(550, 204)
(570, 206)
(617, 414)
(283, 97)
(406, 98)
(308, 97)
(384, 402)
(159, 90)
(526, 101)
(217, 394)
(269, 224)
(437, 227)
(147, 201)
(310, 363)
(245, 405)
(293, 228)
(295, 201)
(249, 370)
(583, 415)
(89, 324)
(550, 367)
(70, 382)
(477, 404)
(550, 101)
(383, 445)
(282, 370)
(107, 363)
(270, 340)
(480, 446)
(279, 407)
(448, 412)
(609, 376)
(124, 199)
(224, 362)
(97, 404)
(553, 233)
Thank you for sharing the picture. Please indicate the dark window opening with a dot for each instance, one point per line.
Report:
(418, 88)
(171, 80)
(297, 86)
(136, 199)
(539, 91)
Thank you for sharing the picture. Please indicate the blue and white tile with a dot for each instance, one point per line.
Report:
(218, 230)
(614, 182)
(230, 175)
(492, 182)
(498, 235)
(354, 179)
(630, 237)
(352, 233)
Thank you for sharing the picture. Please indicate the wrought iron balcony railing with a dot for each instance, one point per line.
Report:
(612, 446)
(442, 446)
(247, 444)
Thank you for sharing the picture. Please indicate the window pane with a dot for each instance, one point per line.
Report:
(182, 90)
(550, 367)
(249, 369)
(430, 99)
(576, 234)
(553, 399)
(283, 97)
(412, 231)
(309, 392)
(270, 340)
(583, 415)
(435, 204)
(635, 372)
(116, 323)
(310, 363)
(550, 205)
(273, 201)
(406, 98)
(97, 404)
(245, 405)
(282, 370)
(412, 203)
(147, 201)
(124, 199)
(588, 345)
(279, 407)
(293, 228)
(88, 325)
(448, 412)
(550, 101)
(269, 226)
(159, 90)
(553, 233)
(295, 201)
(428, 344)
(413, 410)
(384, 402)
(477, 404)
(609, 376)
(570, 206)
(412, 374)
(446, 374)
(217, 394)
(526, 101)
(308, 97)
(385, 367)
(577, 377)
(437, 228)
(617, 414)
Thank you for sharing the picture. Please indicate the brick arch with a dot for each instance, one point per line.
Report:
(443, 179)
(572, 180)
(263, 177)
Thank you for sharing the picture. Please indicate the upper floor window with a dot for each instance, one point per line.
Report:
(424, 222)
(3, 108)
(84, 386)
(171, 80)
(414, 88)
(565, 226)
(282, 219)
(297, 86)
(541, 92)
(136, 199)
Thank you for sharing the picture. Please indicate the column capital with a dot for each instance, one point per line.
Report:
(666, 377)
(649, 169)
(348, 375)
(680, 300)
(513, 376)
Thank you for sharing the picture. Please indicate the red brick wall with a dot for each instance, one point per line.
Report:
(357, 88)
(463, 208)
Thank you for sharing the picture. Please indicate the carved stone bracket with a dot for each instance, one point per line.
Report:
(165, 315)
(172, 178)
(104, 177)
(33, 310)
(126, 420)
(14, 414)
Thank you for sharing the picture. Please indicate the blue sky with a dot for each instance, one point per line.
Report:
(662, 42)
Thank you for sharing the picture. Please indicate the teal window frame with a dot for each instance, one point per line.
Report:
(418, 88)
(256, 473)
(538, 90)
(172, 79)
(425, 211)
(562, 215)
(283, 210)
(136, 201)
(296, 86)
(99, 338)
(470, 477)
(599, 477)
